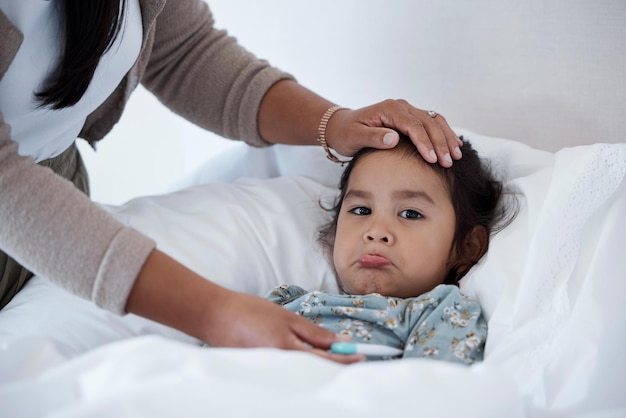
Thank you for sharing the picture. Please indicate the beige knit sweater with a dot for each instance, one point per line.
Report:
(198, 72)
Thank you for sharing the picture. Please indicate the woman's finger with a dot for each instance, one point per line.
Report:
(444, 140)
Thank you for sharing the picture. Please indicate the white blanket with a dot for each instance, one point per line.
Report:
(551, 285)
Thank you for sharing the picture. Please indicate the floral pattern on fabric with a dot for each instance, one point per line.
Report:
(442, 324)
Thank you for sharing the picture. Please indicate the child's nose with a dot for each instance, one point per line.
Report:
(378, 232)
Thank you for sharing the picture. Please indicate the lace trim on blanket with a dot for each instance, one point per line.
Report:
(575, 194)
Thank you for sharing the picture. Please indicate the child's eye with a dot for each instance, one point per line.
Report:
(361, 210)
(410, 214)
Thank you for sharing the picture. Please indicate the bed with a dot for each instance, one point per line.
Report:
(552, 285)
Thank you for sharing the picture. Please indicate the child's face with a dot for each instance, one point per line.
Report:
(395, 227)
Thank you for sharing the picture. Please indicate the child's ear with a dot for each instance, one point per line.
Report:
(466, 255)
(476, 243)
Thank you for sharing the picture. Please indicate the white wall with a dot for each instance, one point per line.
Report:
(546, 72)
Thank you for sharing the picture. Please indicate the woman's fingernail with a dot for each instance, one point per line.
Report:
(388, 138)
(433, 155)
(458, 152)
(447, 157)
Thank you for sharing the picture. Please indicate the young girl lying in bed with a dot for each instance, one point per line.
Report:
(404, 233)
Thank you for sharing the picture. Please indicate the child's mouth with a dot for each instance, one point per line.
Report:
(373, 261)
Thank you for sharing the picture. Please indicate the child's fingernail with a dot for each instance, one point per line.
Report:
(447, 157)
(433, 155)
(388, 138)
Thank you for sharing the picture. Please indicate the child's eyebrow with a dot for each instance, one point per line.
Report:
(398, 194)
(413, 194)
(357, 193)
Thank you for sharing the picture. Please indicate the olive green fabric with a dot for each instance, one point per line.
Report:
(13, 276)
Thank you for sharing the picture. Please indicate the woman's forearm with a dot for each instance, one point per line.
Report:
(290, 114)
(168, 292)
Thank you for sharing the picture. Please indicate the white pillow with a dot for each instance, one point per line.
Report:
(249, 235)
(254, 232)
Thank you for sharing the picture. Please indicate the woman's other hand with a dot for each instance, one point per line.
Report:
(249, 321)
(168, 292)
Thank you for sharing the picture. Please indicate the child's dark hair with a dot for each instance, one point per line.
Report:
(474, 192)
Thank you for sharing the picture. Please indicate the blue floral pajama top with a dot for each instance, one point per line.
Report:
(442, 324)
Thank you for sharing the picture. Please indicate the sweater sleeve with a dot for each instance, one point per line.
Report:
(55, 231)
(204, 75)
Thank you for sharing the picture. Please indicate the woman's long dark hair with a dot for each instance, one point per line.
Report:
(91, 27)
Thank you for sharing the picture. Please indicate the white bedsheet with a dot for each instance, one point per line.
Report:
(552, 286)
(154, 377)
